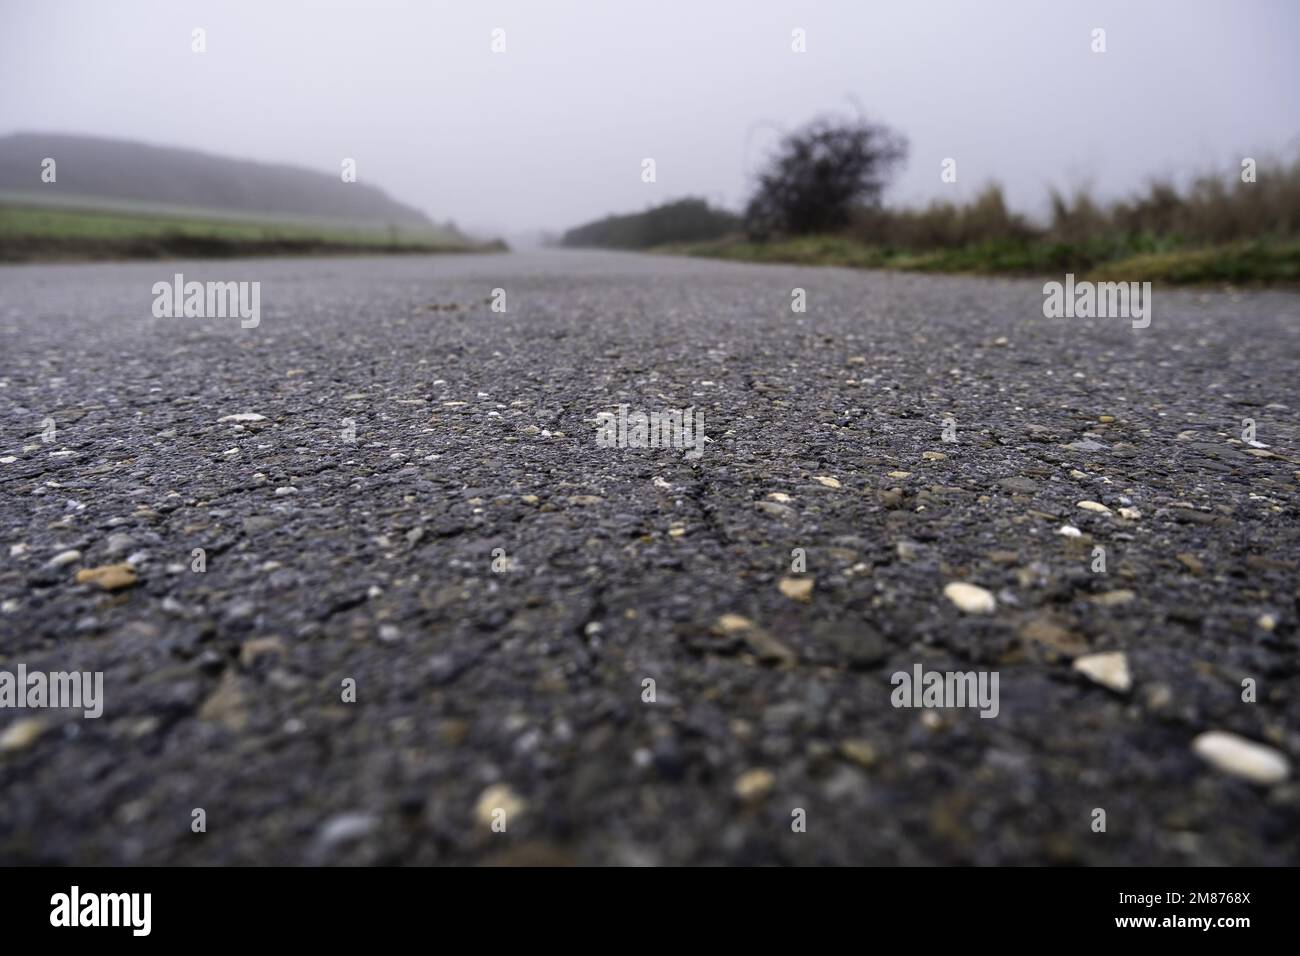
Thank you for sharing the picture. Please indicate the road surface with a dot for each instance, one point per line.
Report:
(430, 601)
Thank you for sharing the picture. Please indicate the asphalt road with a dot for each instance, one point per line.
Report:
(330, 561)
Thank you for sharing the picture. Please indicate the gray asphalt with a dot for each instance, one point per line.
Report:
(522, 690)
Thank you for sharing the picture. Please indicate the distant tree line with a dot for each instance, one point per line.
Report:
(820, 175)
(686, 220)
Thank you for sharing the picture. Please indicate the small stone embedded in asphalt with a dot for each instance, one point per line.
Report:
(227, 705)
(970, 598)
(498, 805)
(861, 752)
(754, 785)
(1046, 630)
(1242, 758)
(892, 498)
(767, 648)
(21, 734)
(64, 558)
(733, 624)
(797, 589)
(119, 543)
(1024, 486)
(780, 511)
(110, 577)
(345, 828)
(1109, 670)
(1115, 598)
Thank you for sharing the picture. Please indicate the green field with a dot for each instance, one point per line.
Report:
(30, 233)
(1253, 262)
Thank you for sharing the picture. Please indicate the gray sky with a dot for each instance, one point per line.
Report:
(552, 132)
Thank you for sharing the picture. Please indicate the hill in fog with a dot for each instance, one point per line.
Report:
(121, 171)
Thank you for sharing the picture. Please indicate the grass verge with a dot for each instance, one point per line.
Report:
(36, 234)
(1254, 262)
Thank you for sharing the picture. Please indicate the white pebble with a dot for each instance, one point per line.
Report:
(1241, 757)
(346, 827)
(1109, 670)
(498, 797)
(21, 734)
(970, 598)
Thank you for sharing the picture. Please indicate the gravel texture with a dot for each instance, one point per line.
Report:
(522, 689)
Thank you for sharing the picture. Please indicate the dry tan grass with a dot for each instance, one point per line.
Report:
(1211, 209)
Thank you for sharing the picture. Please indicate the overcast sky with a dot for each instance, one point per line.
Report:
(552, 132)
